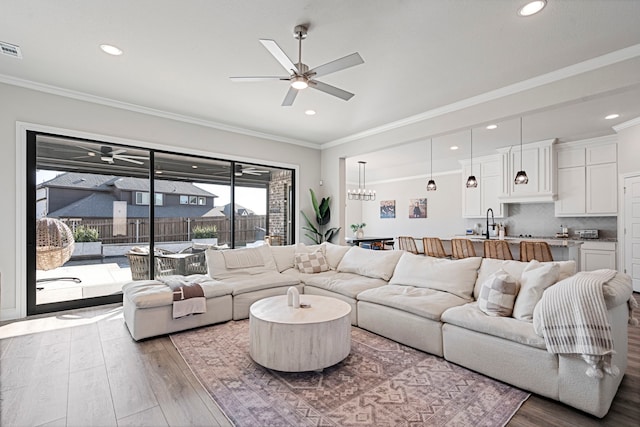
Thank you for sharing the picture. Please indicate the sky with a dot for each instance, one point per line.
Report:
(251, 198)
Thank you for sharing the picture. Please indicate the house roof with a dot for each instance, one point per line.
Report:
(100, 205)
(106, 183)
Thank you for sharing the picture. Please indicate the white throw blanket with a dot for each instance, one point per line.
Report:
(188, 296)
(574, 320)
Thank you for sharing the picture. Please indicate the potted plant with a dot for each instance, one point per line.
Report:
(207, 234)
(358, 229)
(87, 242)
(323, 216)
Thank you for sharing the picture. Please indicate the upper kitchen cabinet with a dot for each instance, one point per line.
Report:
(538, 162)
(489, 171)
(587, 178)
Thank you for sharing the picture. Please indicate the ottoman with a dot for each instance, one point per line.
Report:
(148, 307)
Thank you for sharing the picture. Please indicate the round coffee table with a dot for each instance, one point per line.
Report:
(290, 339)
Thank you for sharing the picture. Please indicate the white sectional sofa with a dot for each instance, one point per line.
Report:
(435, 305)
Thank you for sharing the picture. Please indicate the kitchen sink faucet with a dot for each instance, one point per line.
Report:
(492, 220)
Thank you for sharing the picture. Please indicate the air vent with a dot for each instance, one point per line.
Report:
(10, 50)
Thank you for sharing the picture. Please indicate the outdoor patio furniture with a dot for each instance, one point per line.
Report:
(54, 246)
(164, 266)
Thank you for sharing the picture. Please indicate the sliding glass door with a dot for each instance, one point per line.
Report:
(103, 214)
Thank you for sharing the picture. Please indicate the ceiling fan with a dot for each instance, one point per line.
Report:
(108, 155)
(241, 170)
(300, 76)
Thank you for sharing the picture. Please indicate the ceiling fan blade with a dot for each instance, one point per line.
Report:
(337, 65)
(245, 172)
(331, 90)
(89, 149)
(290, 97)
(118, 152)
(128, 156)
(126, 159)
(257, 79)
(280, 56)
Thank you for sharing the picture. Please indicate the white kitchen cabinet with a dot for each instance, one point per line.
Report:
(596, 255)
(489, 171)
(587, 178)
(538, 162)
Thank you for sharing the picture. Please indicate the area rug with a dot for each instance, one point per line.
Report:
(381, 383)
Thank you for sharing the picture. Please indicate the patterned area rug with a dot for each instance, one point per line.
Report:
(381, 383)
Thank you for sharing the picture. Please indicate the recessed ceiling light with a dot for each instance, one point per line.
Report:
(111, 50)
(532, 7)
(310, 112)
(453, 147)
(612, 116)
(492, 127)
(159, 172)
(91, 154)
(194, 166)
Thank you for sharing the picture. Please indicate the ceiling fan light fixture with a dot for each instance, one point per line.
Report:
(299, 82)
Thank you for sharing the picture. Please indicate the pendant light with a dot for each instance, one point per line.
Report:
(472, 182)
(361, 193)
(431, 185)
(521, 176)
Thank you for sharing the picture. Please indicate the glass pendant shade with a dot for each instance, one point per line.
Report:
(521, 176)
(472, 182)
(431, 185)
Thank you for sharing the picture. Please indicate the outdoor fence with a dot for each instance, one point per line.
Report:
(247, 229)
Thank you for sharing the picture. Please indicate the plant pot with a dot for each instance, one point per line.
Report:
(87, 249)
(359, 234)
(207, 241)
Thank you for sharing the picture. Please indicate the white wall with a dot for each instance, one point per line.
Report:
(444, 207)
(45, 109)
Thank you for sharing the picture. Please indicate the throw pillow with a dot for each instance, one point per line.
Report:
(311, 262)
(536, 277)
(498, 294)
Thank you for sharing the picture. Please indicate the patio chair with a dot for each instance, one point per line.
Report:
(139, 264)
(54, 247)
(197, 262)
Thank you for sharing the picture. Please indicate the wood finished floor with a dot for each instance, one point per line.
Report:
(81, 368)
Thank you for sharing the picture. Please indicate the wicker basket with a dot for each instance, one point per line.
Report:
(54, 243)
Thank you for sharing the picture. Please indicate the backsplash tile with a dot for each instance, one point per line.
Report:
(538, 219)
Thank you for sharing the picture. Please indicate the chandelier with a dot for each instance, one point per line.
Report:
(361, 193)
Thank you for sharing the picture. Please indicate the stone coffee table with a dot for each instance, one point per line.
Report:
(290, 339)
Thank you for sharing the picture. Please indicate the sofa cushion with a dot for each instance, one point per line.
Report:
(515, 269)
(536, 277)
(347, 284)
(454, 276)
(334, 253)
(469, 316)
(423, 302)
(283, 256)
(241, 284)
(311, 262)
(244, 261)
(498, 294)
(375, 264)
(153, 293)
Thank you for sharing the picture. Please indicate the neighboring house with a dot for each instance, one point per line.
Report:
(82, 195)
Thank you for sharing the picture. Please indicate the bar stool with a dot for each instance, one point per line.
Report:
(497, 249)
(535, 250)
(407, 243)
(433, 247)
(462, 248)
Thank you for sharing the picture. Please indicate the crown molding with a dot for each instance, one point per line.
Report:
(81, 96)
(535, 82)
(627, 124)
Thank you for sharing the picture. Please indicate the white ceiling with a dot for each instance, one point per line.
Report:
(421, 57)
